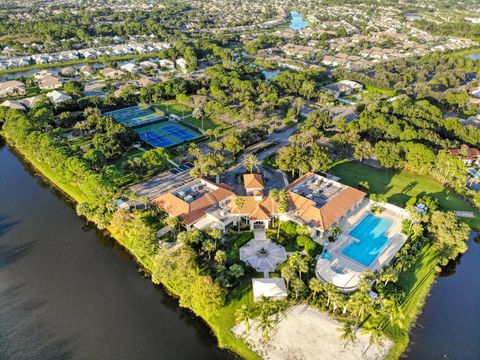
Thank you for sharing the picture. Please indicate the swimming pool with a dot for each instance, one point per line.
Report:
(372, 240)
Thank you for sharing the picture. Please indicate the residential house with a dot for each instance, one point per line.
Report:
(314, 201)
(58, 97)
(86, 70)
(320, 203)
(148, 65)
(470, 156)
(50, 82)
(112, 74)
(13, 104)
(129, 67)
(12, 88)
(181, 64)
(199, 203)
(167, 64)
(344, 87)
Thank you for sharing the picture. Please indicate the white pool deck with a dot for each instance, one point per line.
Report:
(344, 272)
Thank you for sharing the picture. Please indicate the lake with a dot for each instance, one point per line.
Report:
(69, 292)
(473, 57)
(449, 327)
(297, 22)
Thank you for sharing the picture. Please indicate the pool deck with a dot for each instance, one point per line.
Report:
(344, 272)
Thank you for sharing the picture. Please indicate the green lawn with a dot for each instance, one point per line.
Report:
(400, 186)
(416, 282)
(206, 124)
(173, 107)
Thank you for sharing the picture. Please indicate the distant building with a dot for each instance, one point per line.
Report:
(50, 82)
(58, 97)
(470, 156)
(12, 88)
(112, 74)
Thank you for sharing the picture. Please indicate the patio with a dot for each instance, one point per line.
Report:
(263, 255)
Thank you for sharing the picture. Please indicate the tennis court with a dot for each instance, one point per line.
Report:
(166, 134)
(475, 173)
(134, 116)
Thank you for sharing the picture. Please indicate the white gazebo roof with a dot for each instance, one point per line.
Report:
(263, 255)
(269, 287)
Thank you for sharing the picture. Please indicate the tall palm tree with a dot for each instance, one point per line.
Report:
(245, 313)
(315, 287)
(393, 314)
(239, 203)
(250, 162)
(373, 328)
(273, 194)
(172, 222)
(265, 324)
(348, 333)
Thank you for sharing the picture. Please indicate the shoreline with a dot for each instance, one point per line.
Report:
(41, 171)
(399, 337)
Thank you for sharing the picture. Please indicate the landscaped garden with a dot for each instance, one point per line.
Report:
(399, 187)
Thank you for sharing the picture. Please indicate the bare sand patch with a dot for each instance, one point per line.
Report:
(305, 333)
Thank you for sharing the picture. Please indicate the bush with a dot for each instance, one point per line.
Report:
(310, 246)
(289, 228)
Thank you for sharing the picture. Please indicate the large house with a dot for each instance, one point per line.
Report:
(313, 200)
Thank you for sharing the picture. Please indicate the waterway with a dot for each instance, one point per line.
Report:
(298, 22)
(68, 292)
(449, 326)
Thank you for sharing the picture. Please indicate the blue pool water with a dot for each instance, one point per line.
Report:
(371, 234)
(298, 22)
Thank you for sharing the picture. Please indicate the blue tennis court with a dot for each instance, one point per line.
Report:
(133, 116)
(166, 134)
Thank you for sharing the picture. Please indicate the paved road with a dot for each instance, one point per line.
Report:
(273, 179)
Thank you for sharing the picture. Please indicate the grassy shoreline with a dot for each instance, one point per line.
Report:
(417, 281)
(219, 323)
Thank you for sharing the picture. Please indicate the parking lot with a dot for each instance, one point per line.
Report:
(163, 182)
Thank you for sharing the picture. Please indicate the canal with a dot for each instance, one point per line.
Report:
(449, 327)
(68, 292)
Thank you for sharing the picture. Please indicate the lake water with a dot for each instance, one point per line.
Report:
(297, 22)
(270, 74)
(449, 327)
(411, 16)
(68, 292)
(473, 57)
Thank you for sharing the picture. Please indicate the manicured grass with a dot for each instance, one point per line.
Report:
(234, 242)
(416, 282)
(173, 107)
(207, 123)
(223, 320)
(375, 90)
(69, 189)
(400, 186)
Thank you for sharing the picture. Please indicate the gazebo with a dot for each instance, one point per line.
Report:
(263, 255)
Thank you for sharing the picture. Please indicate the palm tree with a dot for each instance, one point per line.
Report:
(172, 222)
(360, 303)
(265, 325)
(273, 194)
(245, 313)
(315, 287)
(239, 203)
(372, 328)
(393, 313)
(287, 273)
(335, 231)
(348, 333)
(250, 162)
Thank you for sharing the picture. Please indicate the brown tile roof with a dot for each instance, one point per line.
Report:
(253, 181)
(254, 209)
(328, 214)
(193, 211)
(470, 153)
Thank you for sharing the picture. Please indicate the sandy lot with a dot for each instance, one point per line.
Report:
(305, 333)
